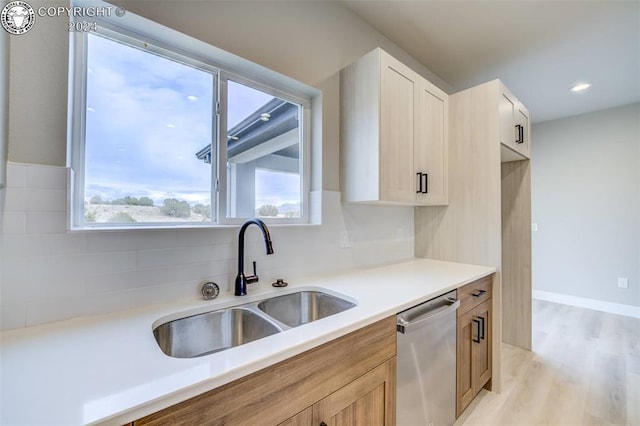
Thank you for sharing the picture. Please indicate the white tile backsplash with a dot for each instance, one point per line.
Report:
(101, 241)
(46, 222)
(175, 256)
(46, 177)
(35, 199)
(17, 175)
(14, 223)
(49, 274)
(45, 244)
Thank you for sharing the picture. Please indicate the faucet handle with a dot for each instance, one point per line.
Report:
(253, 278)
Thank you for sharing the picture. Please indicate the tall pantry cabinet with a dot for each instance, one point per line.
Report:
(488, 219)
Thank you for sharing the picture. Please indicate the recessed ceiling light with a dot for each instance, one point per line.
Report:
(265, 116)
(580, 87)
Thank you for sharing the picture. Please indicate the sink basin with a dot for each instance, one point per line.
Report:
(302, 307)
(211, 332)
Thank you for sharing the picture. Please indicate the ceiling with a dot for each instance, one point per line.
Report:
(539, 49)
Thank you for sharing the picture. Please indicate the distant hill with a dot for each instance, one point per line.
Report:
(289, 207)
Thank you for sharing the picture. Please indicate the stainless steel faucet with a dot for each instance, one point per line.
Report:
(241, 279)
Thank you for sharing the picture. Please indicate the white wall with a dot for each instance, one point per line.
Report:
(48, 274)
(586, 202)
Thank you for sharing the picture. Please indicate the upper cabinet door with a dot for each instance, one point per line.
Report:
(394, 131)
(398, 87)
(514, 127)
(431, 145)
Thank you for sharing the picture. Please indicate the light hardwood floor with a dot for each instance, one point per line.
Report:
(584, 370)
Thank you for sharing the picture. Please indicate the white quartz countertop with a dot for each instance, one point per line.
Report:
(108, 369)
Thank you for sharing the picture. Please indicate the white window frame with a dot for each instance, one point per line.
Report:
(169, 43)
(304, 161)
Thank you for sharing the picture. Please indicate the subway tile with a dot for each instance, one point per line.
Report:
(14, 223)
(16, 287)
(16, 175)
(206, 237)
(46, 177)
(224, 251)
(42, 245)
(110, 241)
(35, 199)
(174, 256)
(56, 278)
(40, 267)
(105, 283)
(181, 291)
(43, 312)
(102, 283)
(46, 222)
(109, 262)
(111, 302)
(14, 268)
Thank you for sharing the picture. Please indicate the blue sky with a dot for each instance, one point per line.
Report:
(147, 116)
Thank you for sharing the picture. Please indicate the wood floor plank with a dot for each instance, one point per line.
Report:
(584, 370)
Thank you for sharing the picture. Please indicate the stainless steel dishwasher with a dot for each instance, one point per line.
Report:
(426, 391)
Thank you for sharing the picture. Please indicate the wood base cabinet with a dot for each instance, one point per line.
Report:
(348, 381)
(368, 400)
(474, 341)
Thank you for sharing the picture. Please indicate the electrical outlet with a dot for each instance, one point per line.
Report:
(623, 282)
(346, 239)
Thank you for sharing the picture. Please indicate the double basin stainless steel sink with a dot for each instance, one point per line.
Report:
(215, 331)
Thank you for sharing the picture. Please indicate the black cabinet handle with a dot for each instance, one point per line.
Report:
(423, 183)
(323, 424)
(482, 328)
(478, 333)
(520, 129)
(478, 293)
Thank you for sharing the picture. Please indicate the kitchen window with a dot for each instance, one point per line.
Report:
(163, 138)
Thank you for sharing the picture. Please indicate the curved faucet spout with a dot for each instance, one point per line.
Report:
(241, 279)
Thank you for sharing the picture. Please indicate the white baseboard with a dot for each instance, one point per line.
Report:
(583, 302)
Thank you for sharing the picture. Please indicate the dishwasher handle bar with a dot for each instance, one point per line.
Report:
(404, 326)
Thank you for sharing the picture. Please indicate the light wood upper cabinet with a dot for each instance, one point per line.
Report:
(394, 134)
(398, 93)
(431, 151)
(514, 127)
